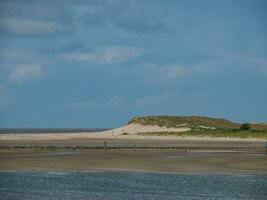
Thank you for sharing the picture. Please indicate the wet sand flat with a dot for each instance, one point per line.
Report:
(167, 161)
(120, 142)
(137, 155)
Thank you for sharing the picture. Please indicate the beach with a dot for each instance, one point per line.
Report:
(113, 165)
(163, 161)
(112, 150)
(141, 154)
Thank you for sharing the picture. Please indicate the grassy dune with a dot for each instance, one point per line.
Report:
(185, 121)
(215, 133)
(203, 126)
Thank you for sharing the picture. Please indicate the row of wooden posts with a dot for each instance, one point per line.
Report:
(105, 147)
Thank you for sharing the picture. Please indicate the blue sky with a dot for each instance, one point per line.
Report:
(99, 63)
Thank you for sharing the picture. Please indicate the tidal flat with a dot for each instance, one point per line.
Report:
(132, 169)
(153, 160)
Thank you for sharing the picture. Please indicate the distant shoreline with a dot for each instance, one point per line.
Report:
(49, 130)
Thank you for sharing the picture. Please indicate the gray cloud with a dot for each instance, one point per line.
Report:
(131, 16)
(106, 55)
(30, 18)
(30, 27)
(128, 16)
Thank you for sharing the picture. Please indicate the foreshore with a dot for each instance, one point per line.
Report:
(86, 152)
(132, 141)
(162, 161)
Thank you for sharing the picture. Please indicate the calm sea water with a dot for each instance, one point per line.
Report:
(49, 130)
(109, 185)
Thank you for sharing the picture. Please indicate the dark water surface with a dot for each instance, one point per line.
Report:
(115, 185)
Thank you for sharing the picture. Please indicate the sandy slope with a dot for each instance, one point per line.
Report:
(139, 128)
(130, 129)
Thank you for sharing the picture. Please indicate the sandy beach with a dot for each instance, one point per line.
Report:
(132, 154)
(114, 151)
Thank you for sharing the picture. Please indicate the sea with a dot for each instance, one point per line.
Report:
(44, 185)
(49, 130)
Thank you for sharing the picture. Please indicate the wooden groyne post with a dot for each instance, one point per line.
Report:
(105, 145)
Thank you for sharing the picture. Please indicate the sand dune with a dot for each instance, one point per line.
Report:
(139, 128)
(130, 129)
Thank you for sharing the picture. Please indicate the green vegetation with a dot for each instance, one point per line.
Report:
(204, 126)
(245, 126)
(235, 133)
(194, 122)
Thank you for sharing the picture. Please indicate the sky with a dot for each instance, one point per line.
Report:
(98, 63)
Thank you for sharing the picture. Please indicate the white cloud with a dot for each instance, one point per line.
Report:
(26, 72)
(107, 55)
(29, 27)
